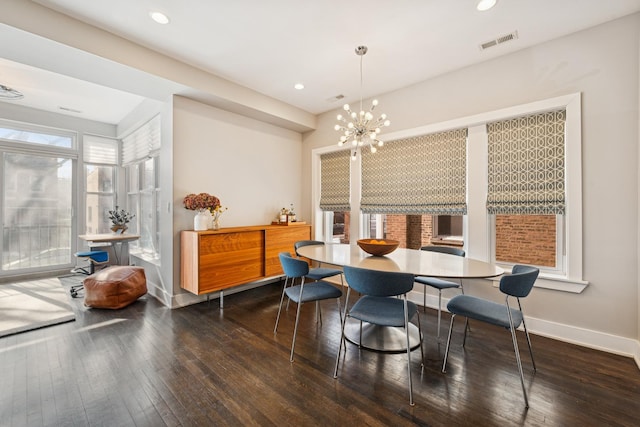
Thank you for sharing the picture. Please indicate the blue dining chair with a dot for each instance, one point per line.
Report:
(436, 283)
(376, 306)
(318, 273)
(516, 285)
(295, 268)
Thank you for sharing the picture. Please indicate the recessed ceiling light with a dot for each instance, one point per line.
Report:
(159, 17)
(486, 4)
(299, 86)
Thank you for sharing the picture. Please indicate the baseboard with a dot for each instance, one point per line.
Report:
(158, 293)
(185, 298)
(614, 344)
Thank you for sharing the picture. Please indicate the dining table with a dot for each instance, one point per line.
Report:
(414, 261)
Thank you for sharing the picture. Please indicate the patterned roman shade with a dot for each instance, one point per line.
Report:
(526, 165)
(420, 175)
(335, 181)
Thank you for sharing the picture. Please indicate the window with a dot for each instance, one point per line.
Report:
(140, 155)
(100, 157)
(335, 195)
(526, 183)
(491, 236)
(33, 134)
(36, 190)
(414, 231)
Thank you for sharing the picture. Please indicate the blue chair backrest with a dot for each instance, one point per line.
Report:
(451, 250)
(378, 283)
(293, 267)
(301, 243)
(520, 282)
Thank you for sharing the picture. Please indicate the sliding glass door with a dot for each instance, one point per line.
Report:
(37, 213)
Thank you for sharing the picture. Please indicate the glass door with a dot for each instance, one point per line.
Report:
(37, 213)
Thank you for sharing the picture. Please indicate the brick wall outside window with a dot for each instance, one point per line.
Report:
(412, 231)
(526, 239)
(522, 239)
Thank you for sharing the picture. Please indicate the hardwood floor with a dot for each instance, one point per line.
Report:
(147, 365)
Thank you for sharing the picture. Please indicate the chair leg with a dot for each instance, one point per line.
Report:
(517, 351)
(439, 310)
(295, 329)
(318, 313)
(446, 351)
(526, 332)
(519, 362)
(424, 299)
(406, 328)
(342, 337)
(420, 337)
(466, 328)
(466, 323)
(275, 329)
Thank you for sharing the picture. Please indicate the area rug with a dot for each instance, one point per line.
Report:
(35, 304)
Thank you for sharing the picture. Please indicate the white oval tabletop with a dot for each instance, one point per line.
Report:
(414, 261)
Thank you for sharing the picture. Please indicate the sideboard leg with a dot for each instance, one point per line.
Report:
(221, 300)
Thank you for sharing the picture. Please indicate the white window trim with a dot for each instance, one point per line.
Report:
(477, 223)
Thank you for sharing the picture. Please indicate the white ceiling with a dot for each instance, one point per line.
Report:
(269, 46)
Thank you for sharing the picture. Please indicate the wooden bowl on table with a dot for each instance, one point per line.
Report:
(378, 247)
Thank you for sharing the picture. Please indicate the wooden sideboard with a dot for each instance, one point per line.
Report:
(216, 260)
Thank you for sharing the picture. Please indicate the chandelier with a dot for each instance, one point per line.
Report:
(360, 129)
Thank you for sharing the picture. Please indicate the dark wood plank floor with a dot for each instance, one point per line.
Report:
(147, 365)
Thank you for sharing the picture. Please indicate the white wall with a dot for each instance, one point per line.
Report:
(602, 64)
(253, 167)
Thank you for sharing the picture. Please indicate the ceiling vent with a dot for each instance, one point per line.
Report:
(499, 40)
(335, 98)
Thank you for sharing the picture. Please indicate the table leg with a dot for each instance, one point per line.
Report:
(382, 338)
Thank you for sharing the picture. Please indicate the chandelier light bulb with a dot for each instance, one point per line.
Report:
(373, 149)
(368, 116)
(374, 102)
(387, 122)
(346, 107)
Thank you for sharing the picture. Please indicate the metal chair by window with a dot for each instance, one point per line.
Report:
(318, 273)
(295, 268)
(516, 285)
(376, 307)
(439, 284)
(95, 258)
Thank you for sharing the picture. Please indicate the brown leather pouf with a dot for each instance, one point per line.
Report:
(115, 287)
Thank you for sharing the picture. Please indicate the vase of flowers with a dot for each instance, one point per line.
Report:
(119, 219)
(205, 204)
(215, 215)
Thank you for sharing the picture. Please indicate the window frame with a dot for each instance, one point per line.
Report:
(152, 253)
